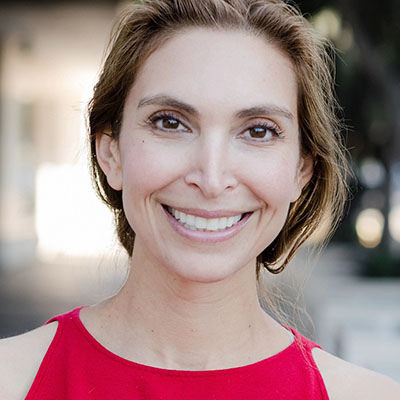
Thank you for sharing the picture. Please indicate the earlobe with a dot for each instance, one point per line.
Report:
(304, 175)
(108, 157)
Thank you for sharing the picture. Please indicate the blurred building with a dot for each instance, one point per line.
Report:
(51, 53)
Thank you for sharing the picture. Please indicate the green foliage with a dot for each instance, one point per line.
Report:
(378, 263)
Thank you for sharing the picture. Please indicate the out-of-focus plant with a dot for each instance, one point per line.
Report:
(367, 38)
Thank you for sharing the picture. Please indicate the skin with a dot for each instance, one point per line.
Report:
(189, 294)
(211, 165)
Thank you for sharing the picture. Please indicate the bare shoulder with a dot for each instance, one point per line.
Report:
(20, 359)
(345, 381)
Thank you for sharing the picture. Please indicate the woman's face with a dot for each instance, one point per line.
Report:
(208, 156)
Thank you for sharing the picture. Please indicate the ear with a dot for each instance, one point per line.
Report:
(108, 157)
(304, 174)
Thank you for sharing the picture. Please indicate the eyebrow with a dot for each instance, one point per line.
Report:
(263, 109)
(163, 100)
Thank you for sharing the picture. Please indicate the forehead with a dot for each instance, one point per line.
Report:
(229, 69)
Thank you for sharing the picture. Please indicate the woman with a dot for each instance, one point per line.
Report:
(215, 143)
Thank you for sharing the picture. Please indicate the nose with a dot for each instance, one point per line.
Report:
(211, 166)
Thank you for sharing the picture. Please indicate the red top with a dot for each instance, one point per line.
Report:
(77, 367)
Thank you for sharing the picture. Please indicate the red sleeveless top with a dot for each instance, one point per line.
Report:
(77, 367)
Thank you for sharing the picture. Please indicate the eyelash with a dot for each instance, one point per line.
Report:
(268, 126)
(152, 121)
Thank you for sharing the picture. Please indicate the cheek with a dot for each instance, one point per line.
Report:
(272, 179)
(147, 168)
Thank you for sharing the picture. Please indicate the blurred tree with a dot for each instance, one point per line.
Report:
(368, 79)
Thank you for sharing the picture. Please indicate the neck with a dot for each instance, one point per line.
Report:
(169, 322)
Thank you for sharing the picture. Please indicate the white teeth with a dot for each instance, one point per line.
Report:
(190, 219)
(176, 213)
(222, 223)
(200, 223)
(212, 224)
(182, 217)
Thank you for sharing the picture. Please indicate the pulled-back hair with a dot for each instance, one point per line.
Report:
(150, 23)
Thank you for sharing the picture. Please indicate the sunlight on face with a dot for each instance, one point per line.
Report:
(209, 153)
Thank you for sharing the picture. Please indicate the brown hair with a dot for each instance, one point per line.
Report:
(151, 22)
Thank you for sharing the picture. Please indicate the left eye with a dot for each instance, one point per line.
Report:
(261, 133)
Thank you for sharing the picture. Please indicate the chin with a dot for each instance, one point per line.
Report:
(206, 271)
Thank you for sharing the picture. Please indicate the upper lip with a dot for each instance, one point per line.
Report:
(198, 212)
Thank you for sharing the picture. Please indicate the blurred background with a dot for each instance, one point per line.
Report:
(57, 244)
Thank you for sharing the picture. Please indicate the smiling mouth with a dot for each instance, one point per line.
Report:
(196, 223)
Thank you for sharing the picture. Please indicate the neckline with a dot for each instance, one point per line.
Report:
(297, 341)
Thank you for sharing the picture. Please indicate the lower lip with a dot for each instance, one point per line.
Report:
(207, 236)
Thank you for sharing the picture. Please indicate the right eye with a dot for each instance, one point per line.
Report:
(167, 122)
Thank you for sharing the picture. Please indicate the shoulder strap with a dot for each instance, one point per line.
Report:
(306, 346)
(62, 320)
(69, 315)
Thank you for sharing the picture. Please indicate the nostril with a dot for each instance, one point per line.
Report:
(211, 179)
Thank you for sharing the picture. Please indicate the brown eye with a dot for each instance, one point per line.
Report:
(257, 132)
(167, 123)
(170, 123)
(264, 132)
